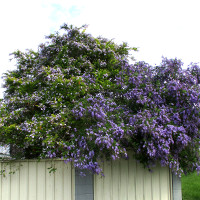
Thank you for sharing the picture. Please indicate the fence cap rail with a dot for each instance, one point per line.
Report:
(4, 159)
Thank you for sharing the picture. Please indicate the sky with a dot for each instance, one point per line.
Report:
(168, 28)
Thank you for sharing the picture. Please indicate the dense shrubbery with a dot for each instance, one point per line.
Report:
(78, 98)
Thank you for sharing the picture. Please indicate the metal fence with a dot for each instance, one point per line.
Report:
(55, 180)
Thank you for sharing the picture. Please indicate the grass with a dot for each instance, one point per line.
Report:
(191, 187)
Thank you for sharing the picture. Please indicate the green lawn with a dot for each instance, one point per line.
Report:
(191, 187)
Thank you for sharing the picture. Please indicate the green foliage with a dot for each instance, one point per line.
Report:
(79, 98)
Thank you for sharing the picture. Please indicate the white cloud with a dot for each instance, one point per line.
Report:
(158, 27)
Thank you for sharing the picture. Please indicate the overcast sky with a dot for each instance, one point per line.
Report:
(168, 28)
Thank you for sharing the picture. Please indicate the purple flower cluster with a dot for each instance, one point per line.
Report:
(80, 99)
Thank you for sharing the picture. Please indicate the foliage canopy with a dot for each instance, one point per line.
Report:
(79, 98)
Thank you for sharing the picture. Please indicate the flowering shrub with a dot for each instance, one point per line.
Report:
(78, 98)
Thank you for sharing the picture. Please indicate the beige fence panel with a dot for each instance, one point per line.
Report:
(14, 182)
(124, 180)
(165, 184)
(23, 180)
(128, 180)
(31, 180)
(5, 184)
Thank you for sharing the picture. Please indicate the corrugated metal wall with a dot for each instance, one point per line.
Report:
(124, 180)
(128, 180)
(32, 181)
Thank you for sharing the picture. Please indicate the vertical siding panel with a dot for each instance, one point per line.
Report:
(14, 178)
(156, 183)
(67, 181)
(73, 183)
(41, 168)
(32, 165)
(139, 181)
(6, 182)
(171, 186)
(23, 182)
(98, 186)
(124, 179)
(164, 183)
(115, 179)
(107, 187)
(59, 181)
(147, 185)
(131, 178)
(49, 181)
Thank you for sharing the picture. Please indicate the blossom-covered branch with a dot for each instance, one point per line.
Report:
(78, 98)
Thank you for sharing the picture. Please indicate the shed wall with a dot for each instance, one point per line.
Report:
(128, 180)
(124, 180)
(32, 181)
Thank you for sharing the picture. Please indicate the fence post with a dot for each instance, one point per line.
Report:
(176, 187)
